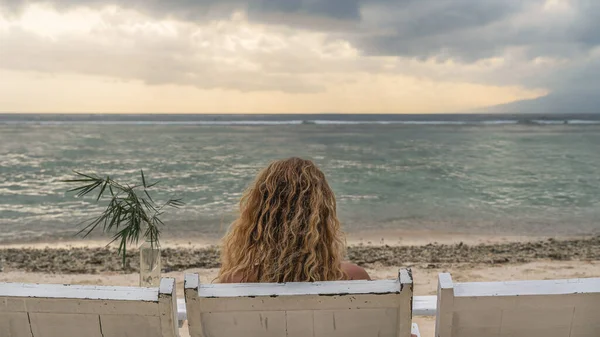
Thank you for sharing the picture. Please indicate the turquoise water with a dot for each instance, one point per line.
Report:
(495, 176)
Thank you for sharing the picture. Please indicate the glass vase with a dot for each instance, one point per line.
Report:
(149, 265)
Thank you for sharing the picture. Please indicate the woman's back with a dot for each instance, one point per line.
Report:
(288, 230)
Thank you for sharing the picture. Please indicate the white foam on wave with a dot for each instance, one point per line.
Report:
(499, 122)
(567, 121)
(547, 122)
(580, 121)
(408, 122)
(242, 122)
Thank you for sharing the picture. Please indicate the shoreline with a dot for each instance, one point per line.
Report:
(70, 258)
(381, 237)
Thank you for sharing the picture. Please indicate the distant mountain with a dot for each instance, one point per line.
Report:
(580, 103)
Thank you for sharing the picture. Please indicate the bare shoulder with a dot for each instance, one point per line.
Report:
(355, 272)
(235, 278)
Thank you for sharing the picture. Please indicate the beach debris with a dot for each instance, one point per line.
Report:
(100, 260)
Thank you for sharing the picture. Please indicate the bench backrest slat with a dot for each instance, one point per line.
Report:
(550, 308)
(38, 310)
(344, 308)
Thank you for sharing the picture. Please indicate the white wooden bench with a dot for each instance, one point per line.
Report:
(321, 309)
(422, 306)
(46, 310)
(554, 308)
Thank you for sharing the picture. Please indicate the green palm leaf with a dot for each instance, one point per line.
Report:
(131, 211)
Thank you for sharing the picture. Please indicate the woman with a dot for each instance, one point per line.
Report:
(288, 230)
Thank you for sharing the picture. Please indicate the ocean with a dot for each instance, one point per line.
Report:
(476, 174)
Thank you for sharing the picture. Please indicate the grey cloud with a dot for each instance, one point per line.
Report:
(182, 9)
(581, 76)
(471, 30)
(337, 9)
(198, 9)
(462, 30)
(318, 15)
(467, 30)
(413, 19)
(151, 61)
(588, 26)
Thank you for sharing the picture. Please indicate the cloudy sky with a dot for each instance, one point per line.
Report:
(284, 56)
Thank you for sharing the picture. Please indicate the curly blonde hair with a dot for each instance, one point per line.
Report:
(287, 231)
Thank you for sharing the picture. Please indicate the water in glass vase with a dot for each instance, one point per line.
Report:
(149, 265)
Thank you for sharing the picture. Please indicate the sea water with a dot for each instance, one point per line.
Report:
(487, 174)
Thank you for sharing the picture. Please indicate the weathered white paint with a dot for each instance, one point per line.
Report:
(297, 288)
(445, 298)
(181, 311)
(320, 309)
(551, 308)
(422, 306)
(71, 305)
(191, 285)
(404, 320)
(44, 310)
(167, 308)
(77, 291)
(513, 288)
(415, 330)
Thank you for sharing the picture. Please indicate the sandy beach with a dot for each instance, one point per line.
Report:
(467, 258)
